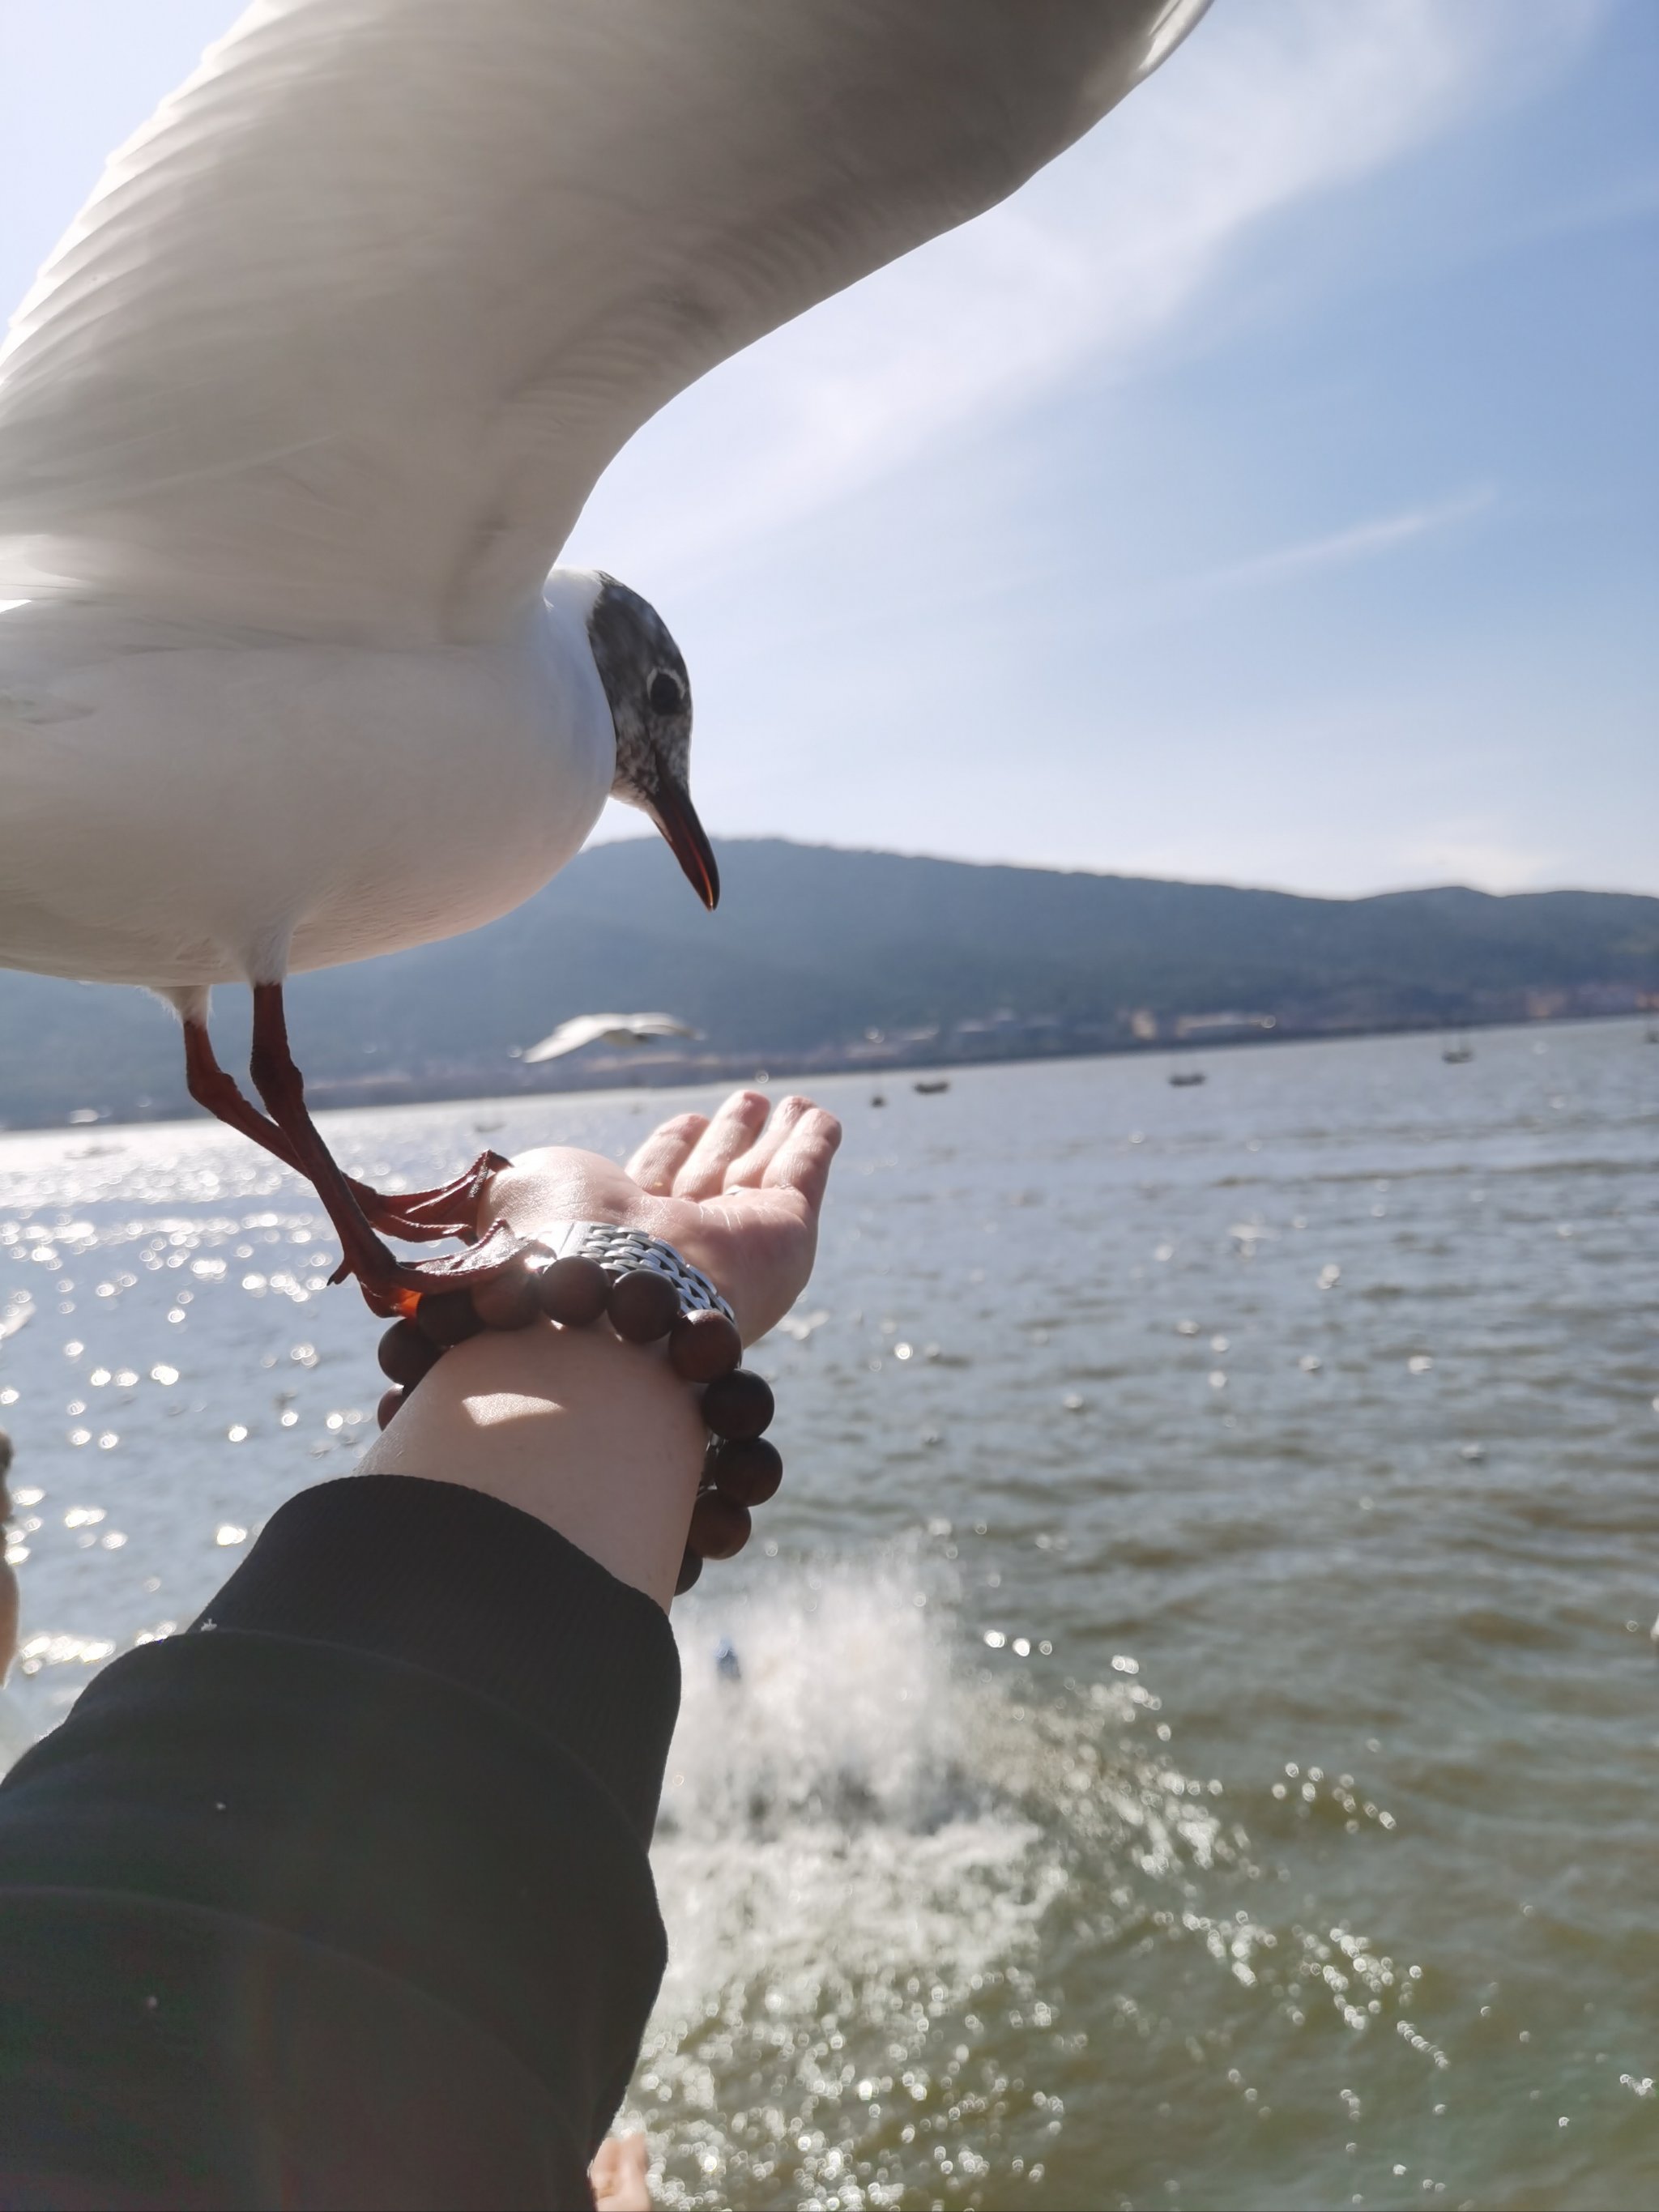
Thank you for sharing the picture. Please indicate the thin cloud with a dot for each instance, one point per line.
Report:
(1471, 854)
(1343, 547)
(1102, 255)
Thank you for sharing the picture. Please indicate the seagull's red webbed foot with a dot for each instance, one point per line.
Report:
(361, 1216)
(449, 1210)
(356, 1212)
(393, 1285)
(418, 1216)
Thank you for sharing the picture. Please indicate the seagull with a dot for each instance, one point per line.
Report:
(298, 414)
(604, 1029)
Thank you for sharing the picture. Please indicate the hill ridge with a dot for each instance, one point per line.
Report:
(825, 955)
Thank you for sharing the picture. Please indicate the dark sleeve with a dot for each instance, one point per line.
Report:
(341, 1898)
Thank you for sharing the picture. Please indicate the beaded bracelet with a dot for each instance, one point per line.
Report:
(584, 1269)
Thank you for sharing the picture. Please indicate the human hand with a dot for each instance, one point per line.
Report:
(602, 1441)
(738, 1196)
(618, 2175)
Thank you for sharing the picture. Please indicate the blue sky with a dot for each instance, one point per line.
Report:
(1266, 493)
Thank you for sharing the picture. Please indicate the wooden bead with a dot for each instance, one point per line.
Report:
(388, 1406)
(406, 1354)
(642, 1306)
(702, 1345)
(747, 1472)
(574, 1291)
(739, 1405)
(448, 1317)
(690, 1568)
(512, 1299)
(719, 1529)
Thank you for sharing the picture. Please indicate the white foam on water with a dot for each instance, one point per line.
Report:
(862, 1836)
(829, 1814)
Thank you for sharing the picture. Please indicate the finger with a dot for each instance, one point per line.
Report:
(749, 1172)
(726, 1137)
(619, 2175)
(666, 1152)
(802, 1161)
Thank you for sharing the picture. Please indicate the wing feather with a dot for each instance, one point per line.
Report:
(348, 330)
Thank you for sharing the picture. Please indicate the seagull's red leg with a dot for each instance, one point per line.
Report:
(209, 1086)
(385, 1278)
(420, 1216)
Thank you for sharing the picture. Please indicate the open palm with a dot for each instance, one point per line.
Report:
(739, 1195)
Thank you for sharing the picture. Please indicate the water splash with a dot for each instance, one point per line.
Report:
(861, 1842)
(878, 1857)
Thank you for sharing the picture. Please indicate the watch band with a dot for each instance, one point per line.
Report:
(630, 1251)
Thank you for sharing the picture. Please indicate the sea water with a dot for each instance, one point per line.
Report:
(1187, 1731)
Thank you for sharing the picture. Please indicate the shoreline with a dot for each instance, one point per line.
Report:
(614, 1072)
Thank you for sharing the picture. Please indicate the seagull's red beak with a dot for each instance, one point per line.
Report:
(675, 816)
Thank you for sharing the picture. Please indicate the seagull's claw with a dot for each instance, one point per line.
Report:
(421, 1217)
(389, 1284)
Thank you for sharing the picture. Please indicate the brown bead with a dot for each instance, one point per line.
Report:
(448, 1317)
(702, 1345)
(405, 1354)
(388, 1406)
(642, 1306)
(719, 1529)
(512, 1299)
(690, 1568)
(747, 1472)
(574, 1291)
(739, 1405)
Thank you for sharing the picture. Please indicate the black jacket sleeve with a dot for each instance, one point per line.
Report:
(341, 1898)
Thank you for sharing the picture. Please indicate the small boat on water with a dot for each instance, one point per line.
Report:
(1455, 1054)
(1184, 1077)
(931, 1089)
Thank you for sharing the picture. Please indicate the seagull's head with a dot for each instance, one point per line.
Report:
(650, 694)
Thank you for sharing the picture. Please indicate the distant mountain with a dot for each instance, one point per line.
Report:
(823, 958)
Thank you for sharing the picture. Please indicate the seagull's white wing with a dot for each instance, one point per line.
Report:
(645, 1026)
(346, 334)
(614, 1029)
(572, 1036)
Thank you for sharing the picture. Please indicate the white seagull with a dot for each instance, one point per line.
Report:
(604, 1029)
(305, 403)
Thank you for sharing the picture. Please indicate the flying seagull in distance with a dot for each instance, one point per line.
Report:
(305, 403)
(604, 1028)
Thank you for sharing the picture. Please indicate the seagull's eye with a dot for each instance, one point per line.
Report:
(666, 693)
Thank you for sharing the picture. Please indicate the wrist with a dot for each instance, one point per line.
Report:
(598, 1438)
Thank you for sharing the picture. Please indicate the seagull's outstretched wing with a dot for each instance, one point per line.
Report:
(614, 1029)
(572, 1036)
(644, 1027)
(346, 334)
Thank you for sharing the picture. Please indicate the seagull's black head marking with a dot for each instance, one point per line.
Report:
(650, 694)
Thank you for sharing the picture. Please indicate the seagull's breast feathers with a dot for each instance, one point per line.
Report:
(209, 807)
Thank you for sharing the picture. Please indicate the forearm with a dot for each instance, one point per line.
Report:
(597, 1440)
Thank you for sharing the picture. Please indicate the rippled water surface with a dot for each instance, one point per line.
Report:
(1197, 1731)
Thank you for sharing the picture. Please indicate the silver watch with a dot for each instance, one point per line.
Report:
(630, 1251)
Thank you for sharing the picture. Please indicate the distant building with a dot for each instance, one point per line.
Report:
(1188, 1025)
